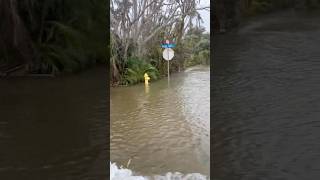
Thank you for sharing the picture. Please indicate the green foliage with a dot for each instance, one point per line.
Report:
(64, 52)
(193, 49)
(136, 69)
(265, 6)
(204, 55)
(261, 6)
(199, 47)
(66, 36)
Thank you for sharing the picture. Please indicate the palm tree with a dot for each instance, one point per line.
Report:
(53, 36)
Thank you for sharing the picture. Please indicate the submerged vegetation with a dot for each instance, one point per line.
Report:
(137, 29)
(52, 36)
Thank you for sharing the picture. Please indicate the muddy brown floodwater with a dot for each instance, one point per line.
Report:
(266, 99)
(165, 128)
(54, 128)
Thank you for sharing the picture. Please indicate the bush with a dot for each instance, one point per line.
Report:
(205, 57)
(261, 6)
(135, 71)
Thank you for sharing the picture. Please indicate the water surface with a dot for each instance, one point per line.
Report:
(54, 128)
(164, 128)
(266, 99)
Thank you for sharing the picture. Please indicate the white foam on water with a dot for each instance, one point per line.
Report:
(117, 173)
(122, 173)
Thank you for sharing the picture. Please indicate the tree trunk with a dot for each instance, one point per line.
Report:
(14, 34)
(179, 38)
(221, 14)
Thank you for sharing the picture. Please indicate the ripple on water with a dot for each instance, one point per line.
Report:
(266, 100)
(165, 127)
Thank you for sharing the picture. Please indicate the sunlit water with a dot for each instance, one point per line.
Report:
(266, 99)
(164, 128)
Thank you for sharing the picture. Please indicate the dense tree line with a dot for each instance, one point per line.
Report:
(137, 29)
(55, 36)
(228, 13)
(52, 36)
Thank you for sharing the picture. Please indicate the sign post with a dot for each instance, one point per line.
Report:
(168, 70)
(168, 54)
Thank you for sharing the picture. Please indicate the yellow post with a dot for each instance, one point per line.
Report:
(146, 79)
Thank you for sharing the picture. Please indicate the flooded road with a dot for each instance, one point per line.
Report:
(54, 128)
(164, 128)
(266, 99)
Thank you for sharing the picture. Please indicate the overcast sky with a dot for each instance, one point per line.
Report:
(205, 15)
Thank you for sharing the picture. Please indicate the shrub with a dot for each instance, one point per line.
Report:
(135, 71)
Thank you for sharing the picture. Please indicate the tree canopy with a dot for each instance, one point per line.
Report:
(52, 36)
(138, 27)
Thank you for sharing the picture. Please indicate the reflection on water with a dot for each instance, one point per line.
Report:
(164, 128)
(54, 128)
(266, 100)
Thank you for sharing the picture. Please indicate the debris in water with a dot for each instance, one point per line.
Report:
(128, 163)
